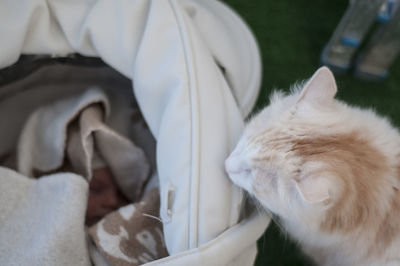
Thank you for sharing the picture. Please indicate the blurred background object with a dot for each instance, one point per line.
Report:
(367, 38)
(384, 46)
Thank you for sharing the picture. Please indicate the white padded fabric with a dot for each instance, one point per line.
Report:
(196, 72)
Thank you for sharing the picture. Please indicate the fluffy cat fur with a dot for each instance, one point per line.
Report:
(329, 171)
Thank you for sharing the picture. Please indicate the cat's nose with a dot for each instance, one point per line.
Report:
(232, 165)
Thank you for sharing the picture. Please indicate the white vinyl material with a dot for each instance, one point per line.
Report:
(196, 73)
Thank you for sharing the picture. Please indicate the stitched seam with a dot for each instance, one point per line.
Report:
(193, 209)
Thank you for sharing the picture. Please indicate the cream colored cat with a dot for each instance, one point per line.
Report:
(329, 171)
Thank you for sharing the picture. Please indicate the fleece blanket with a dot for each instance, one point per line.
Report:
(43, 220)
(74, 169)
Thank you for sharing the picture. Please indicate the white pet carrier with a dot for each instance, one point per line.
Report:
(195, 71)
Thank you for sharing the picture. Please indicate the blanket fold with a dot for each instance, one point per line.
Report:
(75, 126)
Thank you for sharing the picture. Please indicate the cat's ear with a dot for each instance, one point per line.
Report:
(321, 87)
(313, 189)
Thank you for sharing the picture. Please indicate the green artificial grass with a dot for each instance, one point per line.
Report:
(291, 35)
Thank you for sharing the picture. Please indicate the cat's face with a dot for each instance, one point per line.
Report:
(267, 161)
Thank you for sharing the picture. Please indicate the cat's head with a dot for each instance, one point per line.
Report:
(302, 155)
